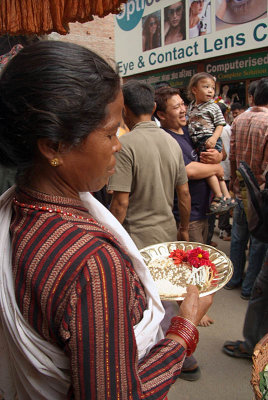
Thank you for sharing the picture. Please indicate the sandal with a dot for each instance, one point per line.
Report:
(231, 202)
(235, 349)
(190, 374)
(218, 206)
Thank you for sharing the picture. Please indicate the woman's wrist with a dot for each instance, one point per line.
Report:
(185, 330)
(177, 339)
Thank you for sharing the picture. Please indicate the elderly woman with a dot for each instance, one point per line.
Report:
(79, 311)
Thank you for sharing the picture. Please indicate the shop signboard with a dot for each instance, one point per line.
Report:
(178, 78)
(242, 67)
(154, 34)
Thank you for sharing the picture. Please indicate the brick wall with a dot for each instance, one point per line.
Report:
(97, 35)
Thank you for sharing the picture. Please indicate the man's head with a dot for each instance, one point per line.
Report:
(224, 109)
(138, 101)
(261, 93)
(170, 108)
(237, 109)
(251, 91)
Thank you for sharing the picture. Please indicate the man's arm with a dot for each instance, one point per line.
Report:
(184, 205)
(119, 205)
(197, 170)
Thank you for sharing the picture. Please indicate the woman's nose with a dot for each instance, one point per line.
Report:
(117, 145)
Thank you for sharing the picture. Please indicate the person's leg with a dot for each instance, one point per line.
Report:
(256, 320)
(214, 185)
(239, 240)
(224, 189)
(211, 226)
(224, 223)
(198, 231)
(257, 252)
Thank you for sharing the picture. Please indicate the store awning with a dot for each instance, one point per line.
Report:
(45, 16)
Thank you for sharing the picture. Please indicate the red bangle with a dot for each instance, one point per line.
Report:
(186, 330)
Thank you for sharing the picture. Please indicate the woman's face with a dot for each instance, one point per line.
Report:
(175, 14)
(152, 25)
(197, 7)
(89, 166)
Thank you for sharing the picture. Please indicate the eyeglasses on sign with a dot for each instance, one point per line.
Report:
(172, 11)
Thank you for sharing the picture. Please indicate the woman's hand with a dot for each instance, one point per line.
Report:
(193, 307)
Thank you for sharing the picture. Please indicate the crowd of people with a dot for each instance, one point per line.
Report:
(80, 316)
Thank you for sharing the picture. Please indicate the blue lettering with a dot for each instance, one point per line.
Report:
(160, 58)
(206, 49)
(120, 67)
(188, 53)
(152, 62)
(240, 39)
(256, 33)
(218, 44)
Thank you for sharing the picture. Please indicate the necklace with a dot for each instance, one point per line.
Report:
(51, 210)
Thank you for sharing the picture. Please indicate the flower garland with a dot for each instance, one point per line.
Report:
(195, 257)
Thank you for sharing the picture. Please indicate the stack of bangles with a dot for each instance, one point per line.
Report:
(186, 330)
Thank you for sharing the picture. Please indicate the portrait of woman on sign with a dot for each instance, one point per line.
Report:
(151, 31)
(199, 18)
(174, 26)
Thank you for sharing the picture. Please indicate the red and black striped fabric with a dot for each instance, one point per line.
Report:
(78, 289)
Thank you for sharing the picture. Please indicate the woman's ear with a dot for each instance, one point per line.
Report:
(49, 150)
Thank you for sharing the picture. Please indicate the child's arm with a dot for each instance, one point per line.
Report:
(211, 142)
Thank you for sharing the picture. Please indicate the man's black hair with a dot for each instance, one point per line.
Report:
(139, 97)
(261, 93)
(252, 87)
(237, 106)
(223, 107)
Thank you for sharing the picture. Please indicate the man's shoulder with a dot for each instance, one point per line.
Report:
(257, 115)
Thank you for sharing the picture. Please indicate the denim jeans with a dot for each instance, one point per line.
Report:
(256, 320)
(257, 251)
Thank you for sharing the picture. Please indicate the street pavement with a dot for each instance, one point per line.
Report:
(222, 377)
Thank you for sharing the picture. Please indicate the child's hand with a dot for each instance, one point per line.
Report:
(211, 143)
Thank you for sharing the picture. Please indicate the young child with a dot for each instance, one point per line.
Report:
(205, 122)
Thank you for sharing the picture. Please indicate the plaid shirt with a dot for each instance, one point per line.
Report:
(249, 140)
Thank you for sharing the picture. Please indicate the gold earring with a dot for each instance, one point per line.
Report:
(54, 162)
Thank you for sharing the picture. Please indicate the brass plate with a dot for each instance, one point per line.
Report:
(222, 262)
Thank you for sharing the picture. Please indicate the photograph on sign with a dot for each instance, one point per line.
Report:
(199, 18)
(151, 31)
(174, 26)
(233, 12)
(153, 34)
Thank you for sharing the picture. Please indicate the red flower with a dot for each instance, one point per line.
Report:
(198, 257)
(178, 256)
